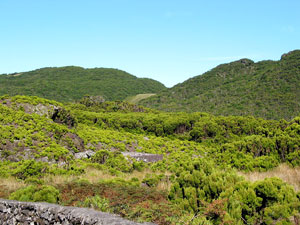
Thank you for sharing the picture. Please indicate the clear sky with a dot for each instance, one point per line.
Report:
(167, 40)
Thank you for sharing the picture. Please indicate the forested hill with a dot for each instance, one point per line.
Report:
(72, 83)
(268, 89)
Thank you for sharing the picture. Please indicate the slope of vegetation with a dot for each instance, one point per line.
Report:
(137, 98)
(197, 180)
(72, 83)
(267, 89)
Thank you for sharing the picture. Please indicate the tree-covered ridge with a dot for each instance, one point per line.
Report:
(268, 89)
(98, 104)
(72, 83)
(201, 154)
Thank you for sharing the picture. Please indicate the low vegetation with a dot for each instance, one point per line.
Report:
(203, 176)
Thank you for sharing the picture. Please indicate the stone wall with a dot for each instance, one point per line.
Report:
(32, 213)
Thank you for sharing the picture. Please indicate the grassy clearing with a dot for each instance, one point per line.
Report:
(9, 185)
(135, 99)
(94, 176)
(283, 171)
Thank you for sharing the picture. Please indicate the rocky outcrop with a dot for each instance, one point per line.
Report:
(146, 157)
(57, 113)
(27, 213)
(40, 109)
(84, 155)
(63, 116)
(139, 156)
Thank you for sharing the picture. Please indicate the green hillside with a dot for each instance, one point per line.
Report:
(72, 83)
(268, 89)
(73, 154)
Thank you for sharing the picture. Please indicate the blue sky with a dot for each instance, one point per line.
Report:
(167, 40)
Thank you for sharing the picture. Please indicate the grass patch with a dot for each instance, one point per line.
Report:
(135, 99)
(9, 185)
(283, 171)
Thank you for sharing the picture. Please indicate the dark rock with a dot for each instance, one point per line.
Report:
(62, 116)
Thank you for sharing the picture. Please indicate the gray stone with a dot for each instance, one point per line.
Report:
(15, 212)
(146, 157)
(81, 155)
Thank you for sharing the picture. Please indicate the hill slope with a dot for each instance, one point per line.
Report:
(72, 83)
(268, 89)
(147, 166)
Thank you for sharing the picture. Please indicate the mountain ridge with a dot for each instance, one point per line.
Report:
(267, 89)
(71, 83)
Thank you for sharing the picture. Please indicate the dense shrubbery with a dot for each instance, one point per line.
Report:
(97, 104)
(115, 161)
(31, 170)
(31, 193)
(220, 196)
(246, 143)
(200, 154)
(28, 169)
(152, 180)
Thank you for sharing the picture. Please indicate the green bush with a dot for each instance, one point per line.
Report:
(152, 180)
(219, 195)
(263, 202)
(31, 193)
(113, 161)
(34, 181)
(97, 202)
(29, 168)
